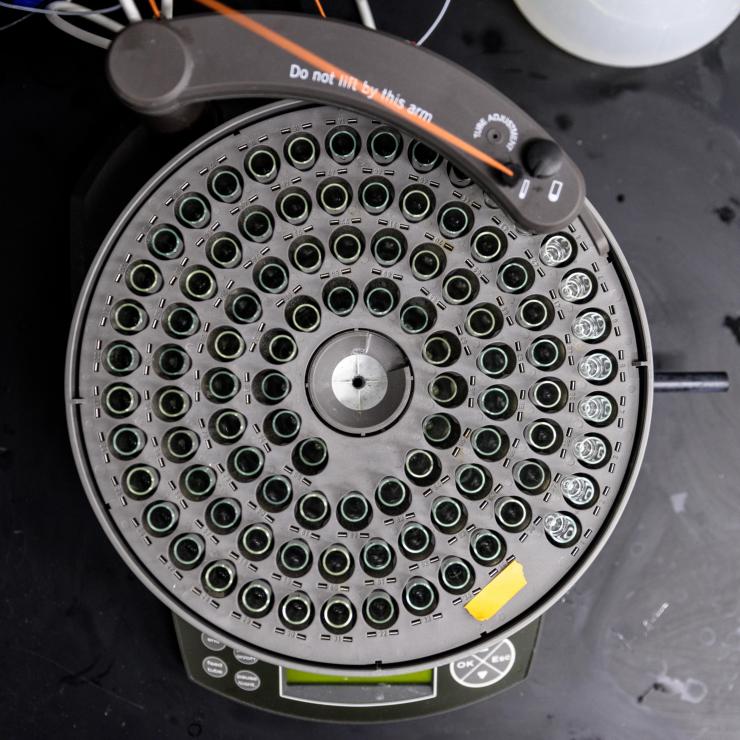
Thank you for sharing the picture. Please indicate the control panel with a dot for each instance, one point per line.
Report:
(242, 677)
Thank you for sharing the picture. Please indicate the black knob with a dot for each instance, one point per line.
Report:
(542, 158)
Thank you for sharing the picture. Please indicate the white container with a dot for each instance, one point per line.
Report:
(630, 33)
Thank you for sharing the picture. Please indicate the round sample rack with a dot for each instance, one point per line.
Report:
(322, 391)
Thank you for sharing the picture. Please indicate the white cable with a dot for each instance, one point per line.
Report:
(46, 11)
(166, 8)
(131, 11)
(366, 13)
(16, 21)
(79, 33)
(69, 28)
(434, 25)
(89, 15)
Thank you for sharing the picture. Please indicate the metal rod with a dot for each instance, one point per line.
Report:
(683, 382)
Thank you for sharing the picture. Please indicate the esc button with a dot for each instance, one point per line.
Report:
(486, 667)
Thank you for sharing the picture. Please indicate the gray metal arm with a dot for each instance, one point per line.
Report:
(163, 69)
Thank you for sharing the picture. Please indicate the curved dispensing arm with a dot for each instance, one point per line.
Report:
(162, 69)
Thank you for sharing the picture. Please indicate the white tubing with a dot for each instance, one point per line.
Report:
(366, 13)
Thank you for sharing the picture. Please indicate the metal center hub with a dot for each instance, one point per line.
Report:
(359, 382)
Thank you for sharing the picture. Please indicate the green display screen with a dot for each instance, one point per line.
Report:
(302, 678)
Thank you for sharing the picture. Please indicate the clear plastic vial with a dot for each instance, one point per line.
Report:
(596, 408)
(590, 450)
(578, 490)
(561, 528)
(576, 287)
(556, 250)
(590, 326)
(596, 367)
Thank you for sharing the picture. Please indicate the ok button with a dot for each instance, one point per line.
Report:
(486, 667)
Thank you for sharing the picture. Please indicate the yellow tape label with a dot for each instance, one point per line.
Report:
(499, 592)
